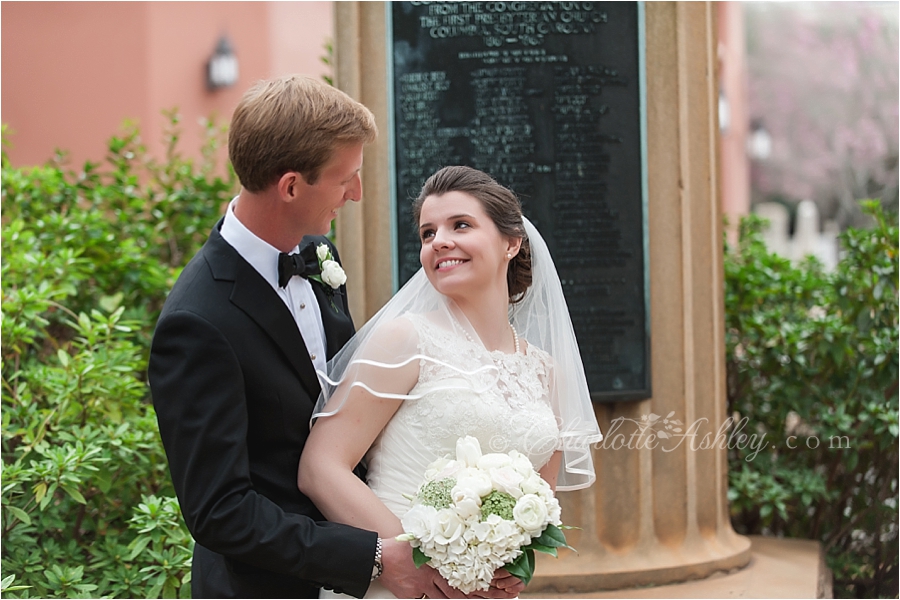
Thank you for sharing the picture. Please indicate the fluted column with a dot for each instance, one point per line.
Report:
(363, 230)
(658, 512)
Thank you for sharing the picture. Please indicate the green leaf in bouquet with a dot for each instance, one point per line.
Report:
(522, 567)
(419, 557)
(551, 550)
(553, 537)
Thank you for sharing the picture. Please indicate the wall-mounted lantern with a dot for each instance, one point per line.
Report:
(724, 113)
(222, 68)
(759, 142)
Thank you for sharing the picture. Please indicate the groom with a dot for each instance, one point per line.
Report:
(232, 365)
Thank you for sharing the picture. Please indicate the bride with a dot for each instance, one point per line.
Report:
(479, 342)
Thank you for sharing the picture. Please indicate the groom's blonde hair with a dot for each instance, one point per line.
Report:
(293, 123)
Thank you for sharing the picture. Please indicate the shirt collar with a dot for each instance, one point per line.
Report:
(261, 255)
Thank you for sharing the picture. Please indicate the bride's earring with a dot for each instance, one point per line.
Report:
(508, 256)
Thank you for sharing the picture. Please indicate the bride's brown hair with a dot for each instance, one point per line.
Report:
(500, 204)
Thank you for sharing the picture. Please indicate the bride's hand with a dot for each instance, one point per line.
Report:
(504, 585)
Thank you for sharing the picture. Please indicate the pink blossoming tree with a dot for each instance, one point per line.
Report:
(823, 80)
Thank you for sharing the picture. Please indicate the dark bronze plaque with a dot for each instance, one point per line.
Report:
(544, 96)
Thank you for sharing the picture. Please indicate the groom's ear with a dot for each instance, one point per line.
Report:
(291, 186)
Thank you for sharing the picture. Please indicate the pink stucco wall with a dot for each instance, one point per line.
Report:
(73, 71)
(734, 166)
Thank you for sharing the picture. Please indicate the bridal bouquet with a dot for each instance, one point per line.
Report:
(481, 512)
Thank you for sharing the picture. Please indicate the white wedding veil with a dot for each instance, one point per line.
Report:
(389, 342)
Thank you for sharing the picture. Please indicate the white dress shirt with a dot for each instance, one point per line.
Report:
(298, 295)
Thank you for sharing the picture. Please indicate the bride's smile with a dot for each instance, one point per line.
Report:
(445, 263)
(463, 252)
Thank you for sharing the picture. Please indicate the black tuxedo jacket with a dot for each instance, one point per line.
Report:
(233, 387)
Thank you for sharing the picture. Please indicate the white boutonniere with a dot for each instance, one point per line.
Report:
(332, 276)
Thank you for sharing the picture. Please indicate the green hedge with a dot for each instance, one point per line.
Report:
(812, 366)
(88, 258)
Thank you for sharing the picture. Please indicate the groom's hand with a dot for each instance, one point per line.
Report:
(404, 580)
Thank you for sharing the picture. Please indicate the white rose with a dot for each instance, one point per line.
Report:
(333, 274)
(554, 512)
(521, 463)
(530, 514)
(545, 493)
(494, 460)
(473, 482)
(467, 502)
(323, 251)
(468, 451)
(507, 479)
(449, 527)
(534, 483)
(420, 521)
(435, 468)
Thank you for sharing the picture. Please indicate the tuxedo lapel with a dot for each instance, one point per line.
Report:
(333, 307)
(258, 300)
(337, 323)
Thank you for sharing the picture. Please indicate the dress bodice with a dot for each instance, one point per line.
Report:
(508, 409)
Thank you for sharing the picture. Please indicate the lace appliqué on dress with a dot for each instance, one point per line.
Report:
(512, 412)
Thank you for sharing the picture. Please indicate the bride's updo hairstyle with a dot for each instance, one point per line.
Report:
(500, 204)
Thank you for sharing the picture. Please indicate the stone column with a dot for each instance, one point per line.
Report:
(658, 512)
(363, 230)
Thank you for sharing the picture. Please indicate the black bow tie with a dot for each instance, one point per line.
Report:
(303, 263)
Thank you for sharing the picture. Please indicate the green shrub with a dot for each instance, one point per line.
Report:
(88, 258)
(813, 365)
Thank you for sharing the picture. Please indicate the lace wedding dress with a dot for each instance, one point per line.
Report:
(513, 412)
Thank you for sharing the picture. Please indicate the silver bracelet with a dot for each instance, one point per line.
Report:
(377, 567)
